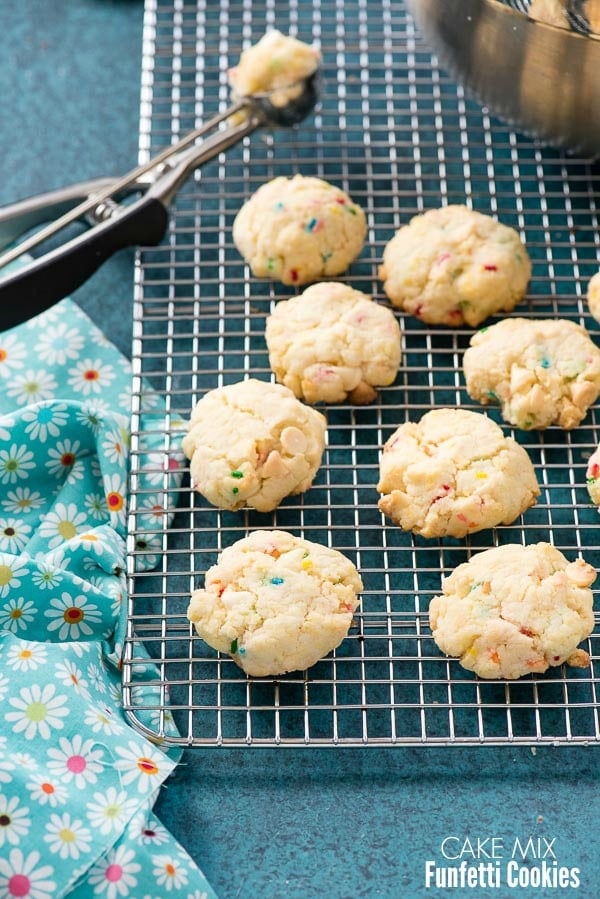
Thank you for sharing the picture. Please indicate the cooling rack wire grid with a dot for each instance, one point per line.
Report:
(399, 136)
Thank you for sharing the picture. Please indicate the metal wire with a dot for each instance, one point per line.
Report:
(396, 133)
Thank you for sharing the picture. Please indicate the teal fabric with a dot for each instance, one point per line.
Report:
(77, 782)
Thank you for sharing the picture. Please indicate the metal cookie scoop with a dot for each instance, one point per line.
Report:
(29, 289)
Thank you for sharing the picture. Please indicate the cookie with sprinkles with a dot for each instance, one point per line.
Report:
(332, 343)
(454, 266)
(515, 610)
(453, 473)
(276, 603)
(251, 444)
(296, 230)
(541, 372)
(592, 477)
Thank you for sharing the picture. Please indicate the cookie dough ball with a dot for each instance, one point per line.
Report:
(333, 343)
(453, 266)
(541, 372)
(251, 444)
(276, 603)
(275, 62)
(593, 296)
(299, 229)
(453, 473)
(515, 610)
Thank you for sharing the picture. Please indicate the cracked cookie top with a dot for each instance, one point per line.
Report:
(453, 473)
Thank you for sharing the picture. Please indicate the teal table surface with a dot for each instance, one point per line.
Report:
(270, 823)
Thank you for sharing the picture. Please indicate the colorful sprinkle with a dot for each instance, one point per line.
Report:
(270, 263)
(306, 564)
(235, 489)
(310, 226)
(481, 474)
(234, 646)
(277, 580)
(237, 473)
(492, 395)
(351, 210)
(491, 268)
(545, 363)
(325, 257)
(279, 206)
(294, 274)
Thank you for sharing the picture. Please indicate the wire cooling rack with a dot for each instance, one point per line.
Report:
(396, 133)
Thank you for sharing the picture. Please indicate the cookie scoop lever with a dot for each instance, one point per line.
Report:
(282, 75)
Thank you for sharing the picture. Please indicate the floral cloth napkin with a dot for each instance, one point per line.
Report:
(77, 782)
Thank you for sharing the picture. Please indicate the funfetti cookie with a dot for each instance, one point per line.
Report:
(541, 372)
(515, 610)
(453, 473)
(252, 443)
(276, 603)
(454, 266)
(332, 343)
(296, 230)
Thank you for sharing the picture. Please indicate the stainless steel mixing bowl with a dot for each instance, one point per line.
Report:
(543, 80)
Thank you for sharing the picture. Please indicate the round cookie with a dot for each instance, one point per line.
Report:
(453, 473)
(592, 477)
(515, 610)
(299, 229)
(541, 371)
(593, 296)
(276, 603)
(452, 266)
(333, 343)
(251, 444)
(276, 61)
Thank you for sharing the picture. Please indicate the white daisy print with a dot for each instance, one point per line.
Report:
(14, 535)
(26, 656)
(62, 460)
(22, 499)
(6, 765)
(38, 711)
(32, 387)
(91, 376)
(110, 811)
(92, 414)
(114, 875)
(114, 447)
(151, 513)
(102, 720)
(66, 836)
(15, 464)
(47, 790)
(70, 676)
(11, 572)
(59, 343)
(62, 523)
(96, 675)
(147, 769)
(72, 616)
(156, 466)
(169, 871)
(47, 575)
(16, 614)
(12, 352)
(45, 420)
(25, 760)
(76, 760)
(22, 875)
(95, 506)
(114, 487)
(148, 832)
(4, 684)
(14, 820)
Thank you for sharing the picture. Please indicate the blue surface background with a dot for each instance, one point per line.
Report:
(261, 822)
